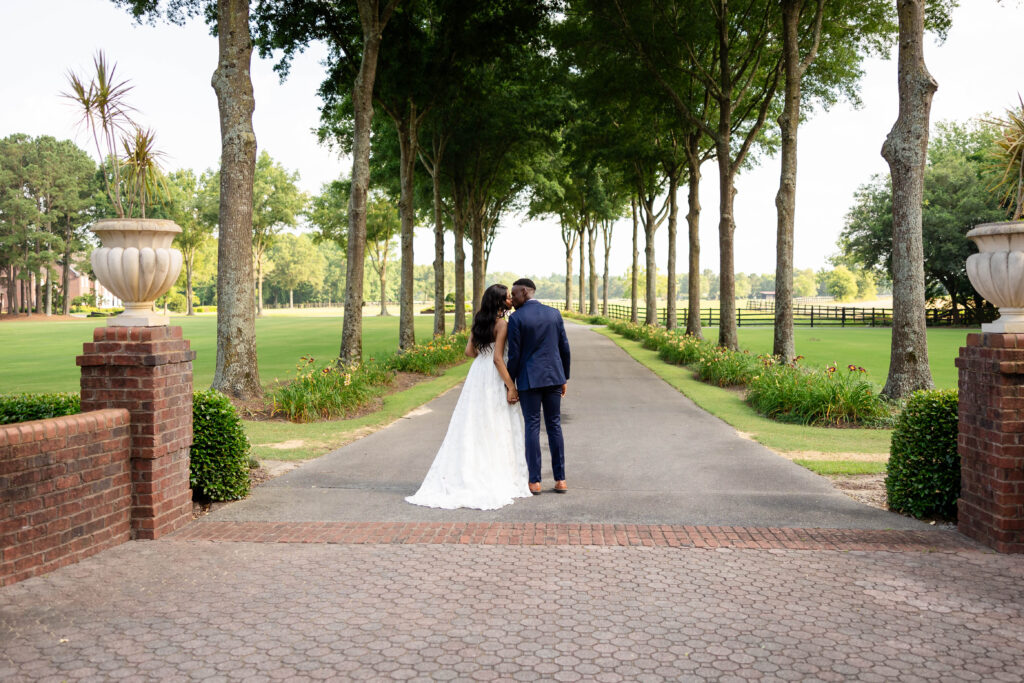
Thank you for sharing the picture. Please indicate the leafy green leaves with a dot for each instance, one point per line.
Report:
(220, 450)
(924, 465)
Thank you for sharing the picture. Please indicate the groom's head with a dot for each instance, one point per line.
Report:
(522, 291)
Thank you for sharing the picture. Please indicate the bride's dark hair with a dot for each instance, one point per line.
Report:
(492, 305)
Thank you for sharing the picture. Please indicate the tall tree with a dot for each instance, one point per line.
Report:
(730, 49)
(193, 206)
(237, 370)
(844, 32)
(906, 150)
(296, 261)
(383, 222)
(354, 35)
(277, 203)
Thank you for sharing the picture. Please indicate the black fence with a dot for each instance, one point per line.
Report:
(762, 313)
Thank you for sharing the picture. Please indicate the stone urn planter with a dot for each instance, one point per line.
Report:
(138, 264)
(997, 272)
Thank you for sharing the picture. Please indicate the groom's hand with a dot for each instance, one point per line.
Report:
(565, 388)
(512, 395)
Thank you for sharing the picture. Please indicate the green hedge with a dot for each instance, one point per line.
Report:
(220, 450)
(27, 407)
(924, 466)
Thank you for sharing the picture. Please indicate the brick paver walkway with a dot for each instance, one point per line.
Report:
(178, 610)
(578, 534)
(744, 568)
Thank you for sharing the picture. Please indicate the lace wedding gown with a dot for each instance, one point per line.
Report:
(482, 461)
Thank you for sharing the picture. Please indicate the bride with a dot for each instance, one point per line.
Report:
(482, 463)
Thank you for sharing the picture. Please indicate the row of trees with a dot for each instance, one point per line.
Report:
(578, 109)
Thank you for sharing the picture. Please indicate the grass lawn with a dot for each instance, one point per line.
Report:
(40, 356)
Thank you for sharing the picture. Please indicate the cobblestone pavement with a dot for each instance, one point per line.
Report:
(199, 610)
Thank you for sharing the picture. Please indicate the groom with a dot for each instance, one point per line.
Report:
(538, 362)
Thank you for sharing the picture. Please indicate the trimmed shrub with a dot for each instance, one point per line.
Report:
(220, 450)
(821, 397)
(26, 407)
(924, 466)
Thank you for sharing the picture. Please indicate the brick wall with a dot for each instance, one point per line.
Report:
(65, 491)
(147, 371)
(991, 441)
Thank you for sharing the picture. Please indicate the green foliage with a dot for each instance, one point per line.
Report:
(1007, 155)
(684, 349)
(829, 396)
(219, 468)
(842, 283)
(956, 198)
(430, 358)
(26, 407)
(332, 390)
(726, 368)
(924, 465)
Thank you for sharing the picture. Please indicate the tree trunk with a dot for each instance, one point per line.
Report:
(407, 210)
(671, 321)
(439, 306)
(291, 298)
(785, 201)
(592, 264)
(727, 334)
(460, 274)
(606, 234)
(189, 264)
(479, 268)
(569, 247)
(362, 104)
(65, 277)
(634, 279)
(693, 233)
(583, 268)
(383, 273)
(905, 150)
(259, 284)
(237, 371)
(651, 299)
(49, 293)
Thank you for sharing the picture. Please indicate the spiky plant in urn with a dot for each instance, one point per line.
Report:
(135, 260)
(997, 271)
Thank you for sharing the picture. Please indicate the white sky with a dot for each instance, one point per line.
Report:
(979, 69)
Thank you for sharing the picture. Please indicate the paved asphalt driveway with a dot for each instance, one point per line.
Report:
(637, 451)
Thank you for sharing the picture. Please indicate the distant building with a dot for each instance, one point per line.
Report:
(770, 296)
(79, 284)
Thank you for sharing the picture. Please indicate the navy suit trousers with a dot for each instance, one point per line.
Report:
(532, 401)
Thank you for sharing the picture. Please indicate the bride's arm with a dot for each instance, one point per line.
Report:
(470, 349)
(500, 336)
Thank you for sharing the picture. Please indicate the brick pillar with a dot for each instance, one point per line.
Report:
(991, 442)
(148, 371)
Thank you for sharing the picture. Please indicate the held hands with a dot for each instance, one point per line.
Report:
(512, 395)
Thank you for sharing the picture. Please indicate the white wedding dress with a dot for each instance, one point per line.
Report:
(482, 461)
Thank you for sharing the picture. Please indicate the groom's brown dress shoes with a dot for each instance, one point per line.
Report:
(535, 488)
(560, 486)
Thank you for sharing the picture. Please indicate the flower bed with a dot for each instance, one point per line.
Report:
(781, 391)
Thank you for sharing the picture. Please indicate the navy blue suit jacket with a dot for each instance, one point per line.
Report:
(538, 350)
